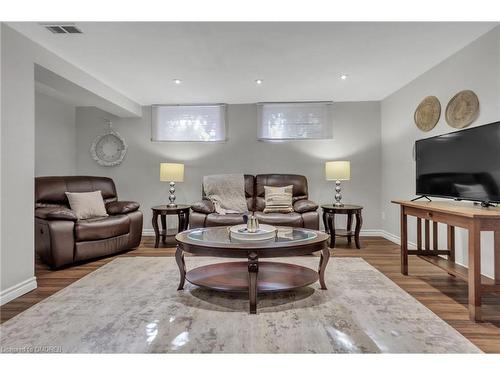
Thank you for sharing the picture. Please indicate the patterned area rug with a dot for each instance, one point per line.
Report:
(132, 305)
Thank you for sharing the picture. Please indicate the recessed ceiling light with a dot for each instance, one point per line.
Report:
(343, 77)
(177, 81)
(259, 81)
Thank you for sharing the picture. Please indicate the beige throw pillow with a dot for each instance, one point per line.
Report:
(278, 199)
(87, 205)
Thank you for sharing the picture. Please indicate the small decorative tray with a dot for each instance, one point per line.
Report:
(265, 232)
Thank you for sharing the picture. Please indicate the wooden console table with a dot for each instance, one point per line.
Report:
(454, 214)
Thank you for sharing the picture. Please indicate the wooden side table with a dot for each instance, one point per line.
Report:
(329, 211)
(182, 212)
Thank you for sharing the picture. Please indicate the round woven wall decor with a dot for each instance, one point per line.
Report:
(462, 109)
(427, 113)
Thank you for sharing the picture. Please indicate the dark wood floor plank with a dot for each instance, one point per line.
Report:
(443, 294)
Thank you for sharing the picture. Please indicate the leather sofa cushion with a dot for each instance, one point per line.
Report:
(121, 207)
(304, 205)
(55, 213)
(215, 219)
(204, 206)
(292, 219)
(102, 228)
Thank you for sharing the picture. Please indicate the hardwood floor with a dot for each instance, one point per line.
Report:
(445, 295)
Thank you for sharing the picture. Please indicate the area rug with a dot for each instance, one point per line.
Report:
(132, 305)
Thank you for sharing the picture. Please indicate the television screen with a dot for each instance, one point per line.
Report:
(461, 165)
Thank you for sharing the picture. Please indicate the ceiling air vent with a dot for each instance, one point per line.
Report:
(63, 29)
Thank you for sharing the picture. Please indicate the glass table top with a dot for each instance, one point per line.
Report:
(221, 235)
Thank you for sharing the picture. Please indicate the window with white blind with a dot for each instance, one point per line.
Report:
(189, 123)
(298, 120)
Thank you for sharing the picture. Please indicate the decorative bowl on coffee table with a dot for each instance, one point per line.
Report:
(252, 275)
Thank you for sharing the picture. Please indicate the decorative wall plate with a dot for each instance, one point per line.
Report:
(109, 149)
(427, 113)
(462, 109)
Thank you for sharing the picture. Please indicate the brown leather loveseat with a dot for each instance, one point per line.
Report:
(304, 211)
(61, 239)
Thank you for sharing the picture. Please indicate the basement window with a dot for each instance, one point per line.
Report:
(189, 123)
(294, 121)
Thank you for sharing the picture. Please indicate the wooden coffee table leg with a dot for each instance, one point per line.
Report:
(179, 258)
(325, 256)
(156, 229)
(253, 270)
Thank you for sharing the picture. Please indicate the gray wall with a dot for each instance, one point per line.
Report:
(55, 137)
(18, 163)
(476, 67)
(356, 138)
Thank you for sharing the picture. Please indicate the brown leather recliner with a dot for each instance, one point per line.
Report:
(61, 239)
(304, 214)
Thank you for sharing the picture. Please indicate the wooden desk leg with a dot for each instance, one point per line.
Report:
(451, 242)
(155, 227)
(164, 228)
(419, 234)
(497, 256)
(404, 242)
(331, 228)
(435, 237)
(427, 236)
(349, 227)
(475, 272)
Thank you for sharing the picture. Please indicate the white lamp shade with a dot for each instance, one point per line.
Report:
(338, 170)
(171, 172)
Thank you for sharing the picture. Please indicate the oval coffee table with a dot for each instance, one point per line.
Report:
(252, 276)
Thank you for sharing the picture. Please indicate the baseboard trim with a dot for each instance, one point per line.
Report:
(17, 290)
(148, 232)
(396, 239)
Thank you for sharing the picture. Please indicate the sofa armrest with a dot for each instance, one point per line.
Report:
(55, 213)
(121, 207)
(204, 206)
(304, 205)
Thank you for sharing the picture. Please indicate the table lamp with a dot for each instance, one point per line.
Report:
(172, 172)
(338, 171)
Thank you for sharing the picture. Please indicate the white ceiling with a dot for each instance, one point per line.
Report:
(219, 62)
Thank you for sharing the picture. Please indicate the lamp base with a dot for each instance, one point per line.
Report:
(171, 197)
(338, 195)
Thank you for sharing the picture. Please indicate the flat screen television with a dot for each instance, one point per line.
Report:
(464, 165)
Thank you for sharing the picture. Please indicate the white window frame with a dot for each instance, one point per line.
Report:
(327, 127)
(223, 119)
